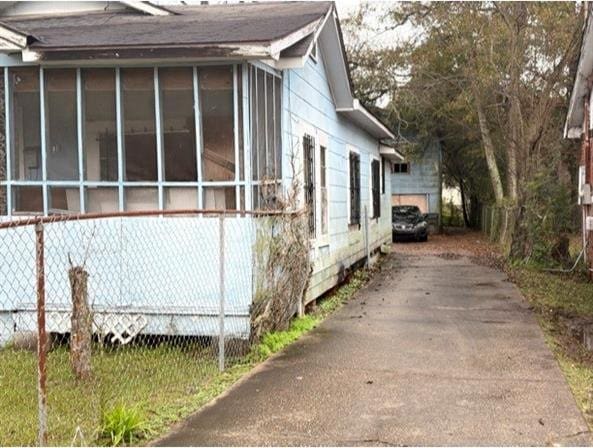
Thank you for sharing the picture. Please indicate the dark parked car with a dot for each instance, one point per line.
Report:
(408, 223)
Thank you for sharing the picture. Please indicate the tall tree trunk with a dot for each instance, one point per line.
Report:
(488, 148)
(463, 204)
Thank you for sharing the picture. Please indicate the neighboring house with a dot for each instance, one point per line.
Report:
(418, 181)
(116, 106)
(579, 125)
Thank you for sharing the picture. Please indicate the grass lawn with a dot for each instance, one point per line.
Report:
(163, 384)
(557, 300)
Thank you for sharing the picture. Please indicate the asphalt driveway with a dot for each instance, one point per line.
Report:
(434, 351)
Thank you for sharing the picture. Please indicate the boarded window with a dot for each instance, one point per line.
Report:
(61, 124)
(26, 125)
(376, 188)
(100, 131)
(401, 168)
(323, 188)
(139, 124)
(216, 105)
(309, 184)
(354, 164)
(179, 138)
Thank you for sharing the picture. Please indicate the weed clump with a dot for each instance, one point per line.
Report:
(123, 425)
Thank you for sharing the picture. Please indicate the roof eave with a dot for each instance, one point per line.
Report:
(365, 119)
(573, 127)
(389, 152)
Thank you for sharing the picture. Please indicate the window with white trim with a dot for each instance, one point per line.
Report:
(309, 182)
(383, 169)
(99, 139)
(266, 136)
(324, 206)
(354, 187)
(401, 168)
(375, 189)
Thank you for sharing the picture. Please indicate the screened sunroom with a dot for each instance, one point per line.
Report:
(107, 139)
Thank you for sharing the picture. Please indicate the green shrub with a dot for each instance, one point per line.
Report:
(123, 425)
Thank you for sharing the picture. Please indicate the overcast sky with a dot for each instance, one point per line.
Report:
(345, 7)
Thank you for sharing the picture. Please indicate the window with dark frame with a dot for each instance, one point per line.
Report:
(309, 184)
(354, 164)
(266, 131)
(401, 168)
(375, 189)
(383, 163)
(323, 188)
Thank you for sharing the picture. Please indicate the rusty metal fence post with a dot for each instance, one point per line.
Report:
(41, 335)
(221, 310)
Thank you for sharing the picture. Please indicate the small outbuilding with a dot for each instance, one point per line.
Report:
(417, 181)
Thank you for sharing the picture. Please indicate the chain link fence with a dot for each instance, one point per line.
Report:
(100, 313)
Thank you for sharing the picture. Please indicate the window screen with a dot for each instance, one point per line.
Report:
(26, 126)
(179, 137)
(100, 130)
(323, 187)
(375, 188)
(309, 184)
(60, 124)
(216, 105)
(354, 164)
(266, 126)
(139, 124)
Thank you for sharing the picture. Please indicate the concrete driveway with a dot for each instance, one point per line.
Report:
(434, 351)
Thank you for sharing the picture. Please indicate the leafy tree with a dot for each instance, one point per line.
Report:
(491, 81)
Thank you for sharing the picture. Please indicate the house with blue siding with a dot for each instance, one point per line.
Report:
(417, 180)
(115, 107)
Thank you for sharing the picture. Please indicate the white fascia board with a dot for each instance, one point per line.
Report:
(574, 117)
(390, 153)
(281, 44)
(239, 51)
(573, 133)
(287, 63)
(335, 63)
(16, 38)
(30, 55)
(373, 119)
(360, 115)
(147, 8)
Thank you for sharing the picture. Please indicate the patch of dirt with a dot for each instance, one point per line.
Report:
(570, 332)
(454, 243)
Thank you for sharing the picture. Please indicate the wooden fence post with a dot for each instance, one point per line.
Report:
(81, 324)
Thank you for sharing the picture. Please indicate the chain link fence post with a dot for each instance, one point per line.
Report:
(41, 335)
(221, 310)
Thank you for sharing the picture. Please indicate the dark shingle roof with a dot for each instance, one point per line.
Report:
(190, 25)
(298, 49)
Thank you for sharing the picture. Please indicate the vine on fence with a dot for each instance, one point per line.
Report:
(282, 253)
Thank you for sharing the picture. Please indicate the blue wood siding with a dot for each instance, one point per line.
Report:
(308, 104)
(424, 177)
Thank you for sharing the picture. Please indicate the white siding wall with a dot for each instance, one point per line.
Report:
(308, 105)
